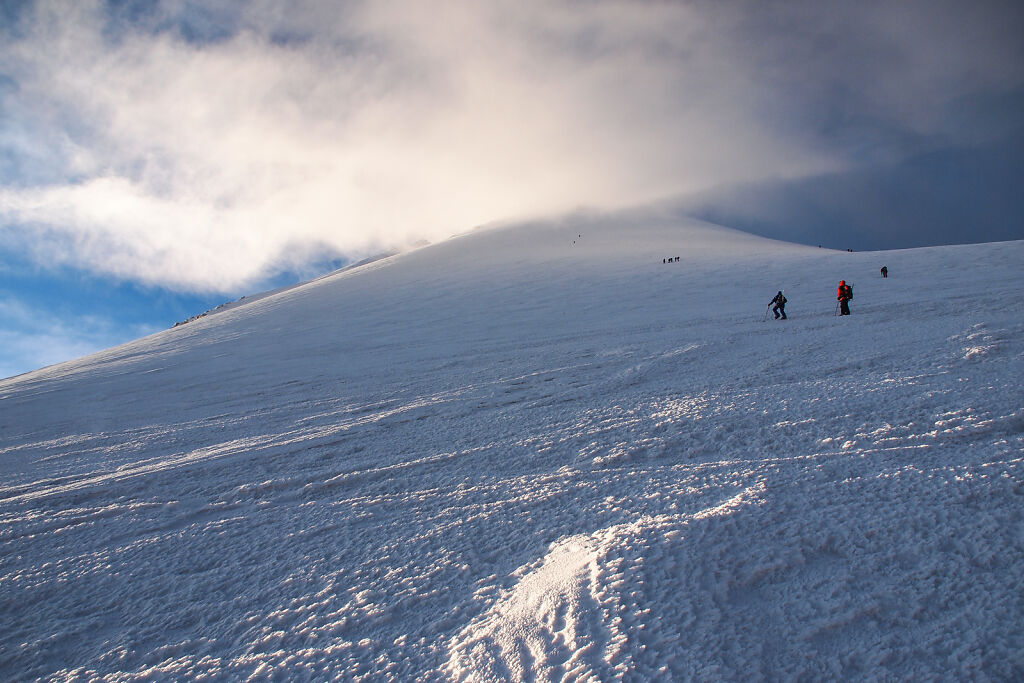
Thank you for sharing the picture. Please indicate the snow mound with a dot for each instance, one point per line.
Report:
(573, 615)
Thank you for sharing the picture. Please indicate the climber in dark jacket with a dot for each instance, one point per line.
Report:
(779, 306)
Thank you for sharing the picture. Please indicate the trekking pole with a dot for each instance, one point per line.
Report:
(766, 313)
(836, 312)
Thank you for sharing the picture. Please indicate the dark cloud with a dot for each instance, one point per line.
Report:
(949, 195)
(922, 102)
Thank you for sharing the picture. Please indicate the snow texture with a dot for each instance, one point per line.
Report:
(537, 453)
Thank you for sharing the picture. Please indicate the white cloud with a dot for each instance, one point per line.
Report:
(195, 165)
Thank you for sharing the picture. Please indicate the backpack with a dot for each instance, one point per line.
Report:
(849, 292)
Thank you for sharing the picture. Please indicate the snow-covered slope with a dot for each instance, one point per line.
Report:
(538, 453)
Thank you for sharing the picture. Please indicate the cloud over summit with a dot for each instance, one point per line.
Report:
(193, 145)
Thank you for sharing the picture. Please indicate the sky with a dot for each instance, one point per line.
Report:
(159, 158)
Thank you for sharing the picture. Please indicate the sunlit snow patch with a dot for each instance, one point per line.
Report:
(560, 620)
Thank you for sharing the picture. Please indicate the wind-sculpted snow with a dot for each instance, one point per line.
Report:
(537, 453)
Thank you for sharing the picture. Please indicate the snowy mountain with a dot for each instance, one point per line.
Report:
(538, 452)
